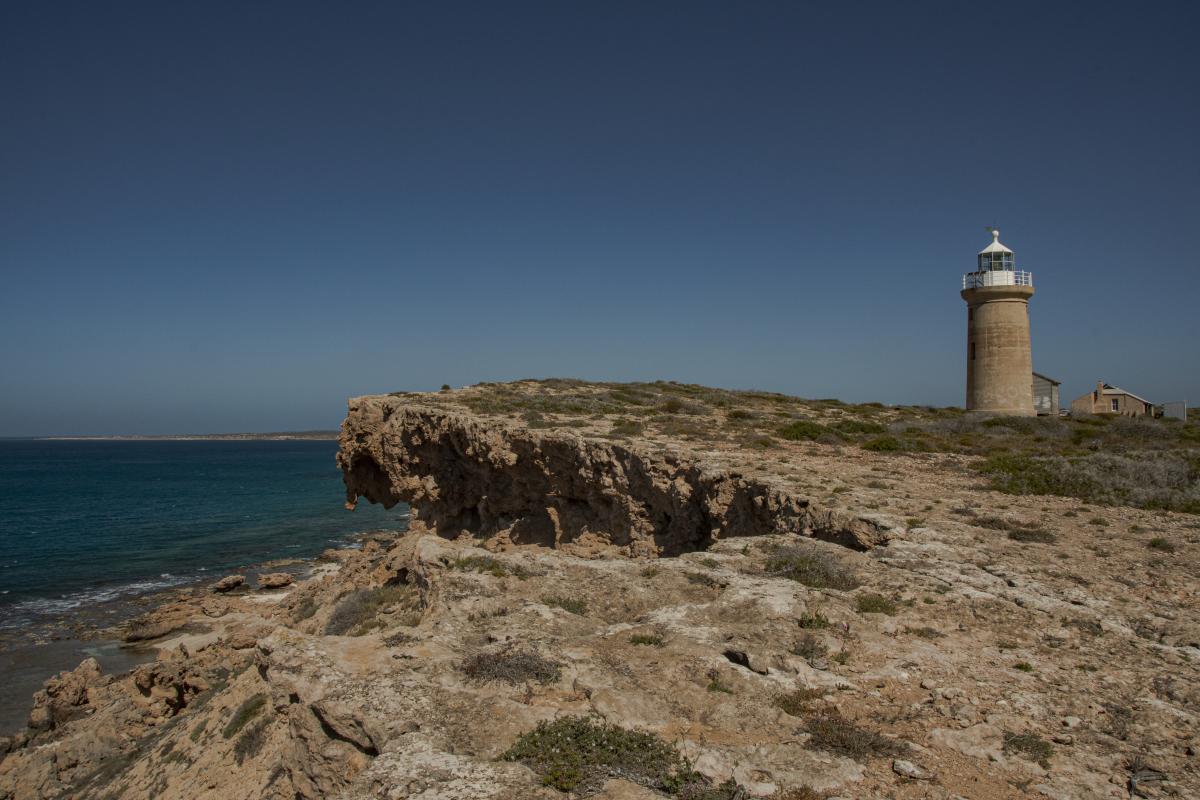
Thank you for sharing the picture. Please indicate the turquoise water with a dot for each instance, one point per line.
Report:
(89, 522)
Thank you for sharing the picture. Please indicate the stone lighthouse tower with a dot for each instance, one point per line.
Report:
(999, 362)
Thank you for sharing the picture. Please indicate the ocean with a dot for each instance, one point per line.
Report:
(87, 525)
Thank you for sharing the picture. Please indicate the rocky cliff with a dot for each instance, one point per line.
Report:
(489, 479)
(613, 593)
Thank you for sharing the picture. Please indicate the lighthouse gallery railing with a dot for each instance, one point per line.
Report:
(999, 277)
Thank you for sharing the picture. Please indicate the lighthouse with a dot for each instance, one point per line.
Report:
(999, 361)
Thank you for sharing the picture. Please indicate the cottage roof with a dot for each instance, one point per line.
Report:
(1110, 389)
(1047, 378)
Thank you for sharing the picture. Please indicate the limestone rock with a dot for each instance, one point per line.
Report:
(229, 583)
(275, 580)
(65, 696)
(907, 769)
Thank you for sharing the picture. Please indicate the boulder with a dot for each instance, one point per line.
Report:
(275, 580)
(65, 696)
(241, 641)
(142, 630)
(229, 583)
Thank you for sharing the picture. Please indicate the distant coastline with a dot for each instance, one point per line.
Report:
(192, 437)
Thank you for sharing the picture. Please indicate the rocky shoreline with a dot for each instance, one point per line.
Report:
(119, 634)
(714, 605)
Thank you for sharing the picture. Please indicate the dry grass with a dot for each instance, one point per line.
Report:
(358, 612)
(835, 734)
(512, 665)
(811, 566)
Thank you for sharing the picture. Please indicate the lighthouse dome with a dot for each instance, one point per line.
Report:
(996, 256)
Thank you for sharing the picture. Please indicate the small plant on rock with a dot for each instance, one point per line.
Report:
(810, 648)
(812, 567)
(574, 606)
(579, 754)
(798, 702)
(647, 639)
(813, 620)
(1030, 746)
(247, 711)
(874, 604)
(512, 665)
(1036, 535)
(834, 733)
(357, 612)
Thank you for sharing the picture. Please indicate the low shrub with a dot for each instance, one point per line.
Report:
(858, 426)
(1155, 480)
(1159, 543)
(812, 567)
(647, 639)
(307, 607)
(813, 620)
(883, 444)
(835, 734)
(874, 604)
(357, 612)
(251, 742)
(1030, 746)
(627, 427)
(489, 566)
(798, 702)
(804, 430)
(248, 710)
(579, 754)
(810, 648)
(512, 665)
(1037, 535)
(570, 604)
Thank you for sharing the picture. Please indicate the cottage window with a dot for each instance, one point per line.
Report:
(1116, 404)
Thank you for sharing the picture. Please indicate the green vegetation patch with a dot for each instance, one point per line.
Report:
(250, 743)
(307, 607)
(851, 427)
(570, 604)
(812, 567)
(1030, 746)
(488, 565)
(874, 604)
(251, 708)
(810, 648)
(1159, 543)
(578, 754)
(647, 639)
(813, 620)
(358, 611)
(798, 702)
(1155, 480)
(834, 733)
(1036, 535)
(804, 430)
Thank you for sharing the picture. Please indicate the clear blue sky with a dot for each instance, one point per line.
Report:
(232, 216)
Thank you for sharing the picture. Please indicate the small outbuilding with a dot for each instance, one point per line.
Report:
(1109, 399)
(1045, 395)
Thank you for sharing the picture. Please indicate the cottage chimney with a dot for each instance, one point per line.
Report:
(1097, 403)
